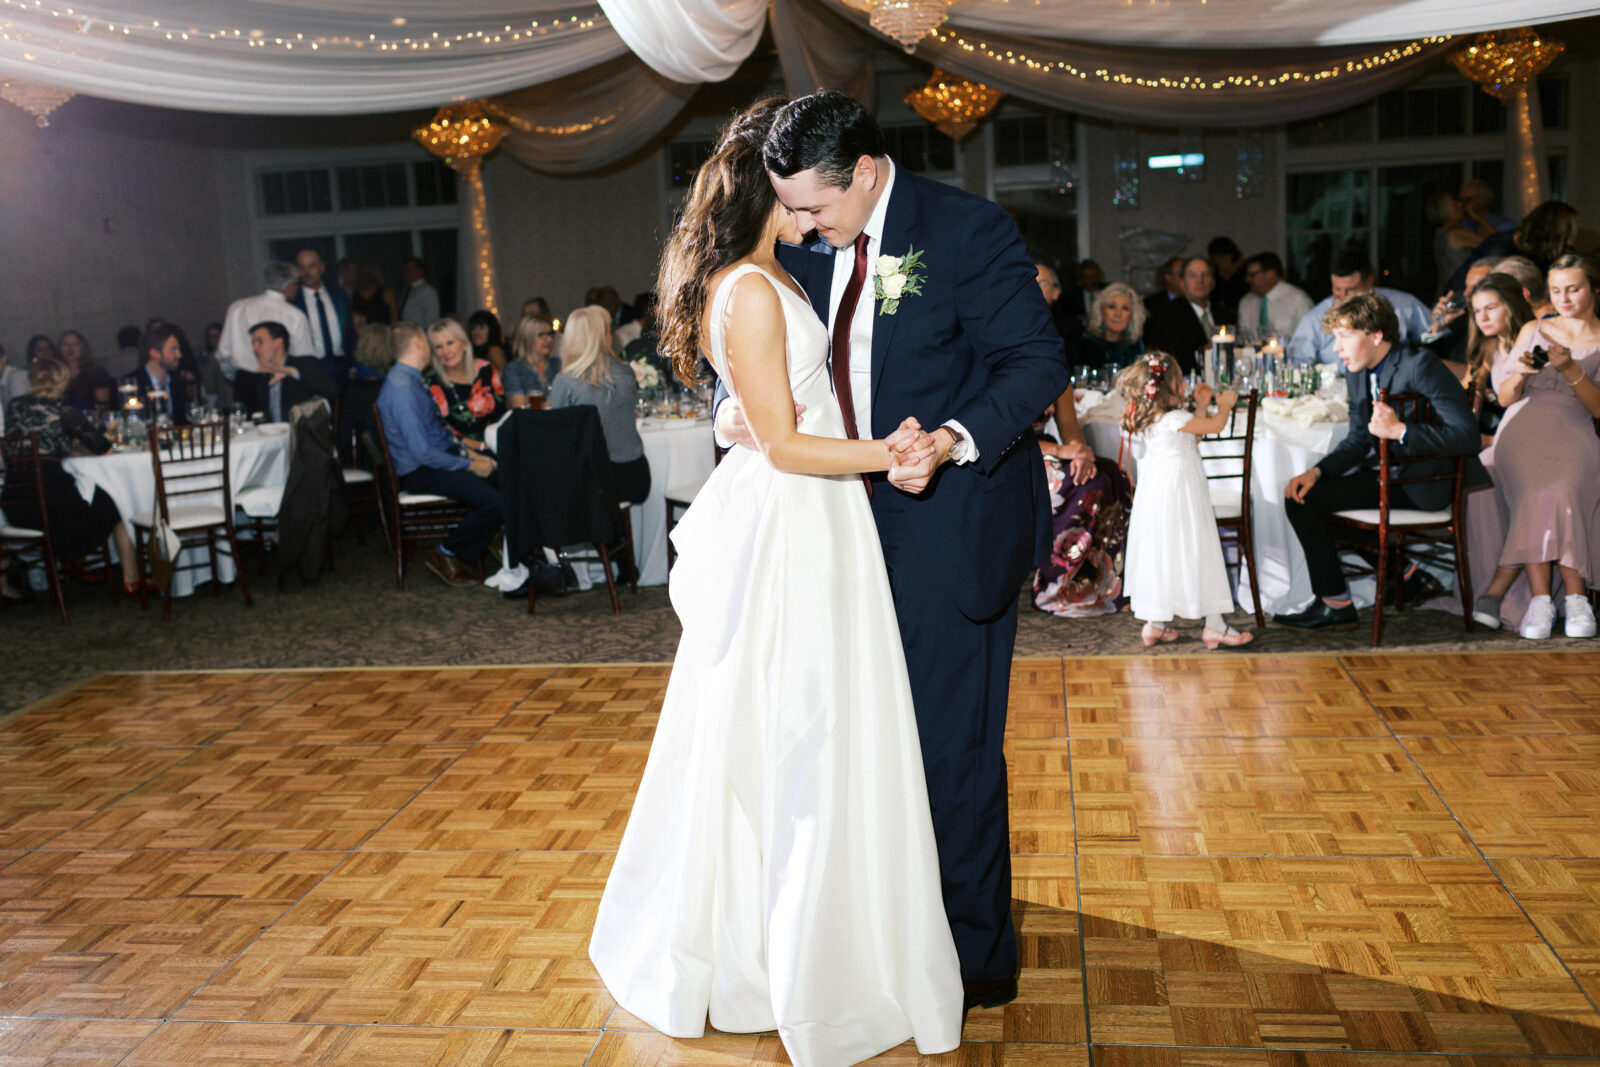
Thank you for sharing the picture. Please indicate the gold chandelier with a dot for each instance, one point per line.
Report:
(36, 100)
(460, 133)
(906, 21)
(953, 104)
(1501, 60)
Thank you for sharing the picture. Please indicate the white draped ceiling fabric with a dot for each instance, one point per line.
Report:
(583, 84)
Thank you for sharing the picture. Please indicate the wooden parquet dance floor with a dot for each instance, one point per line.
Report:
(1296, 861)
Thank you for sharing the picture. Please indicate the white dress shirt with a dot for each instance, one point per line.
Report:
(313, 298)
(420, 304)
(233, 350)
(844, 261)
(1310, 344)
(1286, 306)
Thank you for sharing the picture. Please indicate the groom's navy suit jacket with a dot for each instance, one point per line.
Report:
(977, 345)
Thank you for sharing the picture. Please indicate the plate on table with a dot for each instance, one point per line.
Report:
(273, 429)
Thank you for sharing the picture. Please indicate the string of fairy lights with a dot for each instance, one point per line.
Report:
(89, 24)
(1191, 82)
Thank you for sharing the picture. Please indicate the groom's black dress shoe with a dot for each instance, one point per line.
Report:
(990, 994)
(1319, 616)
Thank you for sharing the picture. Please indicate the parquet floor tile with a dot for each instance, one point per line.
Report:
(1037, 707)
(1284, 796)
(152, 709)
(507, 795)
(1482, 692)
(1563, 899)
(132, 934)
(1401, 955)
(44, 791)
(235, 1043)
(496, 939)
(413, 707)
(589, 704)
(80, 1042)
(1041, 797)
(1049, 1004)
(1148, 1056)
(1216, 696)
(650, 1049)
(267, 797)
(1519, 796)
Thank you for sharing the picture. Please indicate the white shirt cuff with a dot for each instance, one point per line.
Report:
(970, 452)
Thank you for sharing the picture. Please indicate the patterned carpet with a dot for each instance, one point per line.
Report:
(355, 617)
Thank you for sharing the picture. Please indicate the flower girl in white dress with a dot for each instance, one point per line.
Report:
(1174, 563)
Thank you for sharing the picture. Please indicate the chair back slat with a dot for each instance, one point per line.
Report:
(191, 462)
(20, 463)
(1228, 454)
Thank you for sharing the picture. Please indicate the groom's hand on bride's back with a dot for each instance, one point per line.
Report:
(730, 428)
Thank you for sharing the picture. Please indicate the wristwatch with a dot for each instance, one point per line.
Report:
(959, 447)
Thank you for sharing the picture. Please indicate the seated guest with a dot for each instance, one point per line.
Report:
(370, 299)
(1067, 324)
(592, 375)
(1351, 273)
(1089, 506)
(1547, 458)
(1272, 307)
(647, 346)
(77, 527)
(283, 380)
(1447, 329)
(1185, 326)
(1171, 286)
(488, 340)
(1114, 334)
(162, 351)
(13, 381)
(91, 386)
(1228, 268)
(128, 338)
(1364, 327)
(428, 458)
(1499, 312)
(528, 374)
(374, 353)
(39, 347)
(1532, 280)
(468, 391)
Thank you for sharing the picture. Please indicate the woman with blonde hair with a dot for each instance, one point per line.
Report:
(467, 390)
(532, 365)
(593, 375)
(1113, 336)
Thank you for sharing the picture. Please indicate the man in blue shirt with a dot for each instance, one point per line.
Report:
(428, 458)
(1351, 273)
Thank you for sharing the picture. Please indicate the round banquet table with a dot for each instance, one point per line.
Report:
(255, 459)
(1283, 448)
(680, 452)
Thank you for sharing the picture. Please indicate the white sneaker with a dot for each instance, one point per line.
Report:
(1540, 619)
(1580, 617)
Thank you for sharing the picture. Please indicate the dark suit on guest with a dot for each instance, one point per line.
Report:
(1156, 303)
(1176, 330)
(1350, 472)
(342, 328)
(254, 391)
(976, 346)
(177, 395)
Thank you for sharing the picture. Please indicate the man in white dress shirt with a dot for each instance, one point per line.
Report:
(271, 305)
(1272, 307)
(1351, 273)
(419, 301)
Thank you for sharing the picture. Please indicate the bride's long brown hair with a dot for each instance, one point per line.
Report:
(724, 217)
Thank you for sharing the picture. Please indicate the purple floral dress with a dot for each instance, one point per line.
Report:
(1088, 534)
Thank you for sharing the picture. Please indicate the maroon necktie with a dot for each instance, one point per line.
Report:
(841, 338)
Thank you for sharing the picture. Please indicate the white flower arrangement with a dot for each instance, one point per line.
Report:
(894, 278)
(645, 374)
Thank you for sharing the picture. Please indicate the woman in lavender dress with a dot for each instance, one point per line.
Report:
(1546, 454)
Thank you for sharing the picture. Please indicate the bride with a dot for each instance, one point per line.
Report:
(779, 868)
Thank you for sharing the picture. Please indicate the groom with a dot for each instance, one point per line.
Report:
(969, 350)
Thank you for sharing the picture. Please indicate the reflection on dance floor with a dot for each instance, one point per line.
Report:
(1215, 858)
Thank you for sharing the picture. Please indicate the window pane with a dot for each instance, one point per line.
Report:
(1328, 213)
(1408, 251)
(921, 148)
(436, 183)
(273, 200)
(1048, 221)
(1021, 140)
(1553, 102)
(1351, 126)
(439, 253)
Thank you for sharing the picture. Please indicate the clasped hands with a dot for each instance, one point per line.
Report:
(914, 455)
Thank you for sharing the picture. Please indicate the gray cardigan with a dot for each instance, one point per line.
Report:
(615, 398)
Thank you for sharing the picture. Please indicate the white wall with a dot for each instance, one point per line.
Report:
(101, 229)
(557, 237)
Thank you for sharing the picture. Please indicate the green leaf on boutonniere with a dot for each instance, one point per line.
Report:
(896, 277)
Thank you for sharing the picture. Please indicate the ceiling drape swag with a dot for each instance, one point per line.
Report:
(819, 50)
(689, 41)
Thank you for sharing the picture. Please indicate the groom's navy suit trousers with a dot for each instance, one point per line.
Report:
(977, 346)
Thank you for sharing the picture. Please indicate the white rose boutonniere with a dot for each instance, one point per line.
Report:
(646, 375)
(896, 277)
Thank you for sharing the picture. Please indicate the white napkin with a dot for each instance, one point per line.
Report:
(1306, 410)
(1088, 400)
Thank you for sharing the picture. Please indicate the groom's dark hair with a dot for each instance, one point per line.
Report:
(828, 131)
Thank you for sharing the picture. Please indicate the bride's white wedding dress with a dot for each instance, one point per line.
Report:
(779, 867)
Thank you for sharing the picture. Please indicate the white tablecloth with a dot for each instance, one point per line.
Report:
(1283, 449)
(129, 478)
(680, 452)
